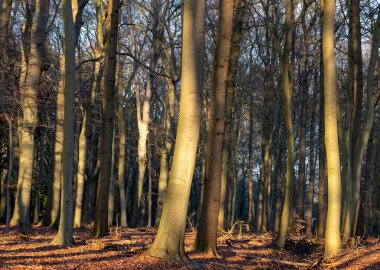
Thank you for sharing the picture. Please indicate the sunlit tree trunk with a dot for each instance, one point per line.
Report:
(333, 241)
(287, 92)
(29, 83)
(169, 242)
(208, 223)
(82, 161)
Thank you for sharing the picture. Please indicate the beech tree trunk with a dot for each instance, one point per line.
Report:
(237, 36)
(65, 233)
(169, 242)
(333, 241)
(287, 92)
(208, 223)
(108, 103)
(33, 64)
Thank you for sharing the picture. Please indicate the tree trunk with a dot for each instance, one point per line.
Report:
(277, 183)
(250, 166)
(122, 143)
(169, 242)
(32, 66)
(208, 223)
(322, 200)
(108, 103)
(64, 236)
(165, 153)
(237, 36)
(287, 92)
(333, 241)
(82, 161)
(111, 196)
(310, 194)
(363, 137)
(9, 176)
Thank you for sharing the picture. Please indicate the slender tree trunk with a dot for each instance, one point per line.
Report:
(250, 166)
(143, 113)
(169, 242)
(363, 137)
(367, 206)
(149, 193)
(108, 103)
(41, 175)
(277, 183)
(310, 194)
(287, 91)
(111, 196)
(208, 223)
(9, 176)
(322, 200)
(95, 106)
(237, 36)
(164, 162)
(122, 142)
(301, 181)
(87, 215)
(82, 161)
(333, 241)
(65, 233)
(5, 15)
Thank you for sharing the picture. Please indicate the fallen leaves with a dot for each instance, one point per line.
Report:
(125, 248)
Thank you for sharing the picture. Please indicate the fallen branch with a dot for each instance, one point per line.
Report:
(299, 264)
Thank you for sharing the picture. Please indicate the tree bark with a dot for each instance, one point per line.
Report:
(169, 242)
(237, 36)
(208, 223)
(64, 236)
(310, 194)
(333, 241)
(108, 103)
(287, 92)
(33, 64)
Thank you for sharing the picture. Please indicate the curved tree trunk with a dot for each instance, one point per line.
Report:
(169, 242)
(287, 91)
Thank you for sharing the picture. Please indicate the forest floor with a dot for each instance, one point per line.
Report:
(124, 249)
